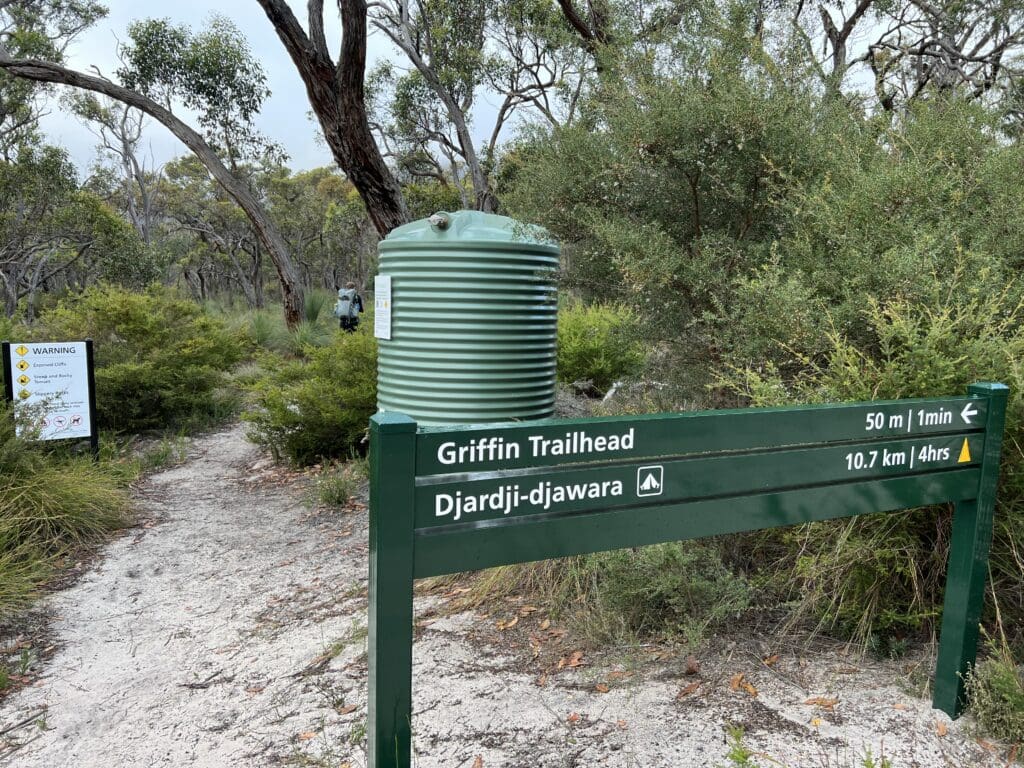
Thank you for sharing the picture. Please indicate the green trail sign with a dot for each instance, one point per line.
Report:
(446, 500)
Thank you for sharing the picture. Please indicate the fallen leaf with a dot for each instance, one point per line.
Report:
(619, 675)
(622, 724)
(941, 729)
(750, 689)
(542, 681)
(816, 722)
(575, 659)
(479, 762)
(899, 706)
(821, 701)
(255, 689)
(770, 661)
(527, 609)
(307, 735)
(602, 688)
(735, 681)
(503, 625)
(546, 624)
(347, 709)
(573, 718)
(692, 665)
(691, 688)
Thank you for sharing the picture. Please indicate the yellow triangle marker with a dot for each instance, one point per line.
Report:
(965, 453)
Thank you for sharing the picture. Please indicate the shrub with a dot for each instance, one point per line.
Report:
(885, 573)
(673, 589)
(995, 689)
(48, 506)
(308, 410)
(159, 357)
(598, 343)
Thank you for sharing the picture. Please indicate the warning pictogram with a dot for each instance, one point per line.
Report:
(24, 394)
(650, 481)
(22, 365)
(22, 350)
(76, 420)
(965, 453)
(23, 379)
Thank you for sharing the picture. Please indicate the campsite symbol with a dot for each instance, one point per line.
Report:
(650, 481)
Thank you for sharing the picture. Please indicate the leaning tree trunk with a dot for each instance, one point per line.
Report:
(338, 98)
(48, 72)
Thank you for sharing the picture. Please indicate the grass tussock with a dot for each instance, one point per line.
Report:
(50, 506)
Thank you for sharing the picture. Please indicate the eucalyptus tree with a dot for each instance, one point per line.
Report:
(212, 73)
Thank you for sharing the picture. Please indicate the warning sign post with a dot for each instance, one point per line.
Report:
(52, 385)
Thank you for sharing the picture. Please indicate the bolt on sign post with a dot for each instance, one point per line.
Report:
(52, 383)
(451, 499)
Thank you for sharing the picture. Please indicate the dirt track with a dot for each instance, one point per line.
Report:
(229, 630)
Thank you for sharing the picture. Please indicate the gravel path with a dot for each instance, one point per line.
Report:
(229, 630)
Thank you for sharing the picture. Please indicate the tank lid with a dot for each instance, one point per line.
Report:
(471, 226)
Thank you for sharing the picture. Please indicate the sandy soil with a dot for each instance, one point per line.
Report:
(229, 630)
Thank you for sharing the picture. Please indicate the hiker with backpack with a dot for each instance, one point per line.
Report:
(348, 307)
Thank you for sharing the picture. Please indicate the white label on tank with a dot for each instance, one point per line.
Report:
(382, 307)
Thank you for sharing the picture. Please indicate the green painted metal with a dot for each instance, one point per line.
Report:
(511, 495)
(670, 477)
(474, 316)
(469, 449)
(389, 644)
(967, 571)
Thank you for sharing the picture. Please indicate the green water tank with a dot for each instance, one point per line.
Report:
(469, 333)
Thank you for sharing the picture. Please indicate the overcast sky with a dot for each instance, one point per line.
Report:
(284, 116)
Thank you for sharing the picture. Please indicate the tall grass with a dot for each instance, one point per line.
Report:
(49, 506)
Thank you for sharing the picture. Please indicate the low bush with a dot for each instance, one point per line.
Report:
(318, 408)
(884, 574)
(995, 690)
(159, 358)
(674, 591)
(48, 507)
(598, 343)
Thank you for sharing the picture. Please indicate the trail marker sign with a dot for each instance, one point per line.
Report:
(54, 382)
(445, 500)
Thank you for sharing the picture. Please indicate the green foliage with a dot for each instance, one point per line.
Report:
(213, 73)
(338, 485)
(48, 506)
(884, 574)
(995, 690)
(319, 408)
(675, 589)
(159, 358)
(598, 343)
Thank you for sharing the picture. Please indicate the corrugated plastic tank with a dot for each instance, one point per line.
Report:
(473, 323)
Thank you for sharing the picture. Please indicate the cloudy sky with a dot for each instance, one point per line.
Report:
(284, 116)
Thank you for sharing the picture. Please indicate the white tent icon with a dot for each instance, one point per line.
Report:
(649, 481)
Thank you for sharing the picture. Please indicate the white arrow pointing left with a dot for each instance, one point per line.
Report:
(968, 411)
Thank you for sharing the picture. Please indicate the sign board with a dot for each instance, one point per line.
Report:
(52, 383)
(446, 500)
(382, 307)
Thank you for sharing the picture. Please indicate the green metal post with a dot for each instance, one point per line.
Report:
(392, 482)
(967, 572)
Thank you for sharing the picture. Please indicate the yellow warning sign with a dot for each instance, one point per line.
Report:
(24, 394)
(22, 350)
(23, 379)
(22, 365)
(965, 453)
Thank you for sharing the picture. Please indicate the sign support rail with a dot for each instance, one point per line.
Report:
(446, 500)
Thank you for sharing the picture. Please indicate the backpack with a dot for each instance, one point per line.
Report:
(346, 306)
